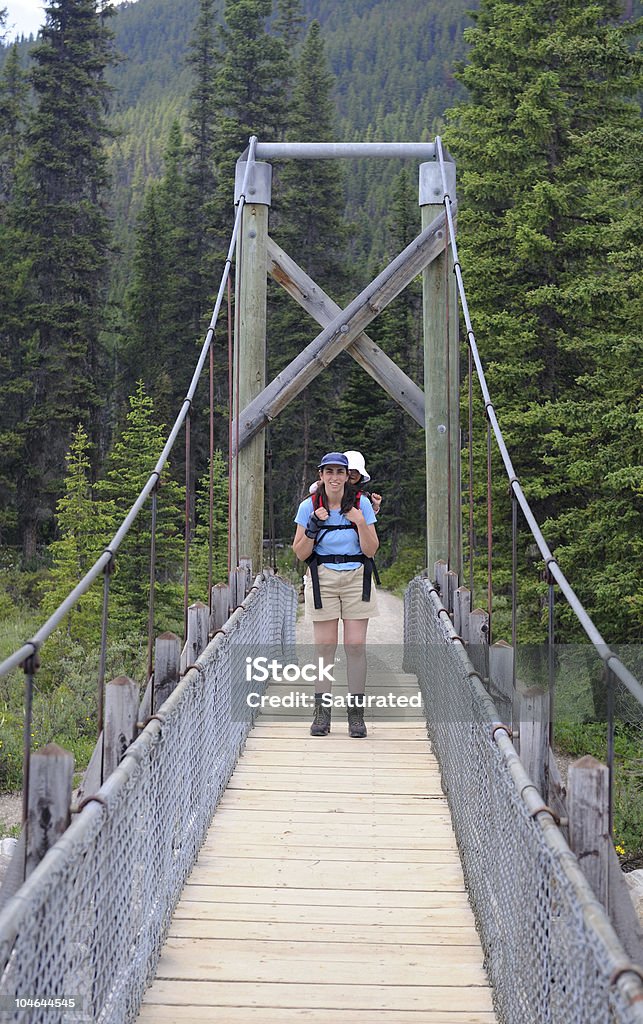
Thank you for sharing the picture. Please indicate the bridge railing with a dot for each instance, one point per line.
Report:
(89, 922)
(550, 949)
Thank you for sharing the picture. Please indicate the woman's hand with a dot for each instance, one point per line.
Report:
(321, 513)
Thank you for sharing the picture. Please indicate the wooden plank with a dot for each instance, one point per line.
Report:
(422, 918)
(302, 874)
(294, 931)
(314, 757)
(326, 897)
(211, 852)
(342, 804)
(287, 1015)
(313, 822)
(437, 835)
(364, 997)
(321, 963)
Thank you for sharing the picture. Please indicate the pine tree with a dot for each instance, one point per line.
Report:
(15, 384)
(82, 536)
(545, 80)
(129, 465)
(67, 235)
(253, 67)
(309, 226)
(200, 548)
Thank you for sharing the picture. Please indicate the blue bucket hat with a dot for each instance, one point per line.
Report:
(334, 459)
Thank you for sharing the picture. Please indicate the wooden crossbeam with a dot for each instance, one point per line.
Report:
(341, 331)
(283, 269)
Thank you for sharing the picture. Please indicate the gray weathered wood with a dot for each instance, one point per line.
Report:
(145, 707)
(501, 655)
(246, 565)
(167, 667)
(237, 582)
(589, 832)
(198, 621)
(557, 796)
(51, 774)
(247, 477)
(92, 779)
(283, 269)
(534, 735)
(121, 716)
(440, 569)
(461, 610)
(220, 606)
(340, 333)
(479, 641)
(441, 387)
(451, 585)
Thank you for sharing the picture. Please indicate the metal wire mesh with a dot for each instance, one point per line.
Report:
(90, 921)
(551, 952)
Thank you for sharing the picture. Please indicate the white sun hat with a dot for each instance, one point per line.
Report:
(356, 461)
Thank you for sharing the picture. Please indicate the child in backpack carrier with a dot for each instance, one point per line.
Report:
(357, 476)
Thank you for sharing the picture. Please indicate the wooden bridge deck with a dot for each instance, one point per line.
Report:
(329, 890)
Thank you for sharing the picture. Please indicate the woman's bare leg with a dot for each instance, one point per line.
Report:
(325, 636)
(355, 647)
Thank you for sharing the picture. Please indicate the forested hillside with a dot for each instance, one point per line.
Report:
(133, 208)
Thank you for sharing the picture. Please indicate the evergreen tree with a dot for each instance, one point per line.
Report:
(67, 232)
(309, 226)
(129, 466)
(200, 548)
(545, 80)
(82, 536)
(252, 70)
(13, 99)
(15, 383)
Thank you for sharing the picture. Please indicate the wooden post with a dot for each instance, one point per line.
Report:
(451, 585)
(249, 376)
(479, 641)
(246, 565)
(501, 656)
(167, 659)
(534, 736)
(198, 621)
(121, 716)
(220, 606)
(92, 777)
(51, 774)
(589, 836)
(441, 383)
(461, 611)
(439, 575)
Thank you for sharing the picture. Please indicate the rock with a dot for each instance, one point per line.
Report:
(634, 881)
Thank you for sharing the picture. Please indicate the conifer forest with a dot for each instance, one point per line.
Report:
(120, 128)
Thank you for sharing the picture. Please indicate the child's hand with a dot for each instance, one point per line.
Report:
(376, 501)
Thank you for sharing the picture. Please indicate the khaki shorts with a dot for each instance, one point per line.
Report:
(341, 594)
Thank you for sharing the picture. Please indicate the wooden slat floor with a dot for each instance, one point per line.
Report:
(329, 890)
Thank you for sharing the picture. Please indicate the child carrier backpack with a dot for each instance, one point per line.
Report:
(315, 560)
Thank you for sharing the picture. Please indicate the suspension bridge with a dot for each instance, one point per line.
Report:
(219, 863)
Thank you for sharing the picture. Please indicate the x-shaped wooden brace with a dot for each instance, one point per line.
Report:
(343, 330)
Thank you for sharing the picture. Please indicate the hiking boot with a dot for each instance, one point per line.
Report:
(355, 712)
(321, 719)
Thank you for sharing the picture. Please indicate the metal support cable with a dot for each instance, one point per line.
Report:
(150, 605)
(187, 526)
(33, 646)
(604, 652)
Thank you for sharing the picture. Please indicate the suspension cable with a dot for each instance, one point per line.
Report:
(610, 659)
(33, 646)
